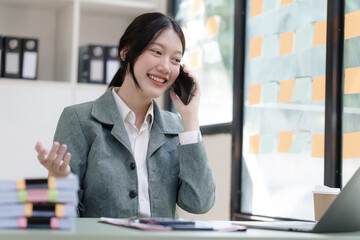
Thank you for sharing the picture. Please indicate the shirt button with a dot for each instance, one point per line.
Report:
(132, 194)
(132, 166)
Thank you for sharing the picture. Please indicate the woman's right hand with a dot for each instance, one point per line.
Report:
(56, 161)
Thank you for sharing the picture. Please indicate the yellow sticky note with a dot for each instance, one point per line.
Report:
(352, 80)
(197, 7)
(196, 58)
(255, 47)
(286, 43)
(318, 89)
(351, 147)
(212, 26)
(256, 7)
(286, 90)
(319, 34)
(318, 146)
(254, 145)
(352, 26)
(285, 141)
(284, 2)
(255, 93)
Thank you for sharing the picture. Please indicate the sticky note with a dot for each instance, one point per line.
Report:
(319, 35)
(304, 37)
(270, 92)
(254, 145)
(318, 145)
(197, 7)
(352, 80)
(286, 43)
(196, 58)
(267, 143)
(255, 47)
(286, 90)
(299, 142)
(256, 8)
(212, 26)
(352, 26)
(318, 89)
(271, 45)
(351, 147)
(302, 90)
(285, 2)
(254, 93)
(285, 141)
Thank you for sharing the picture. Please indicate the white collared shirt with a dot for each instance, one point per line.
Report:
(139, 139)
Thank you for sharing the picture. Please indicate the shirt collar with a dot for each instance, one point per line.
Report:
(128, 114)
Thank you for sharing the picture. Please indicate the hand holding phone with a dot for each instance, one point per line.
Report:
(183, 86)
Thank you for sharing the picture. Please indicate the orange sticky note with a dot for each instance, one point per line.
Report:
(318, 146)
(254, 145)
(352, 80)
(256, 7)
(286, 43)
(319, 34)
(255, 47)
(212, 26)
(285, 141)
(286, 90)
(352, 26)
(351, 147)
(197, 7)
(318, 89)
(284, 2)
(255, 93)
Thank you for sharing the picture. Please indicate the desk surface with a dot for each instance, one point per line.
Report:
(90, 228)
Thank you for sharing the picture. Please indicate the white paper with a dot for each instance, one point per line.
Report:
(111, 68)
(29, 65)
(96, 70)
(12, 63)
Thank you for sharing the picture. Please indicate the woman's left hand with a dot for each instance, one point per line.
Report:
(188, 113)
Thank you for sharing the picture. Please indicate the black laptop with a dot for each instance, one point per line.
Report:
(343, 215)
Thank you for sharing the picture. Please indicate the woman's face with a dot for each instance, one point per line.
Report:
(158, 66)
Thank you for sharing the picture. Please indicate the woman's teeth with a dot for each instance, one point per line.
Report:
(156, 79)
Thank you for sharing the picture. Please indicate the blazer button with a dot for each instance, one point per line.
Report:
(132, 194)
(132, 166)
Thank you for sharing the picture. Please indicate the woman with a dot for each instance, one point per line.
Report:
(132, 158)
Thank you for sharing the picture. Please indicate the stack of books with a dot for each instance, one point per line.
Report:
(49, 203)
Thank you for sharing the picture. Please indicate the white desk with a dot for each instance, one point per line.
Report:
(89, 228)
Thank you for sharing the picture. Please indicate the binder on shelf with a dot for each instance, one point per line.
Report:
(1, 61)
(112, 63)
(91, 64)
(29, 58)
(11, 57)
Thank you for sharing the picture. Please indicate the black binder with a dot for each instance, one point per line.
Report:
(112, 63)
(29, 58)
(91, 64)
(11, 57)
(1, 56)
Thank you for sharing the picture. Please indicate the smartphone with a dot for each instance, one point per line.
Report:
(183, 86)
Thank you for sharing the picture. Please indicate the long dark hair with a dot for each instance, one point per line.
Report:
(137, 37)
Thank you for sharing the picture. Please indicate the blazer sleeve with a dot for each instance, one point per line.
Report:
(196, 193)
(69, 131)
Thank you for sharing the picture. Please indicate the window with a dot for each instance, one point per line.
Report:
(209, 31)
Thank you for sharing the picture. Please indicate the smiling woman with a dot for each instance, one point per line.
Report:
(143, 160)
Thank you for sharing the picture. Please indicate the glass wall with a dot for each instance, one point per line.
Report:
(209, 31)
(351, 97)
(284, 112)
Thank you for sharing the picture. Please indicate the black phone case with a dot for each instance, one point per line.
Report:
(183, 86)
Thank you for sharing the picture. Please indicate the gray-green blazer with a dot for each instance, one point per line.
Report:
(103, 160)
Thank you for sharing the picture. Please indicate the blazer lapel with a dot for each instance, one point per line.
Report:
(106, 112)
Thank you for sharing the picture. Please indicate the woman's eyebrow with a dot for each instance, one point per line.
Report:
(163, 46)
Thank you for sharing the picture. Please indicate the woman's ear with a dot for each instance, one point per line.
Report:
(123, 54)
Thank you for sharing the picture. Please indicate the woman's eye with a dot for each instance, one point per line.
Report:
(156, 52)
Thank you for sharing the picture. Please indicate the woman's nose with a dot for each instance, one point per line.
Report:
(163, 66)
